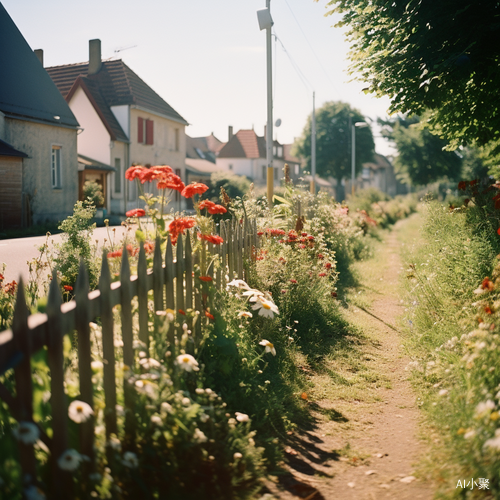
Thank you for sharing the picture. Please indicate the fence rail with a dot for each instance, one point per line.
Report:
(171, 279)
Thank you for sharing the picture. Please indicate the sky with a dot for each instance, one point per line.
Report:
(207, 58)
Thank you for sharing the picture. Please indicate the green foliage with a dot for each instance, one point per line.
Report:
(451, 317)
(93, 192)
(76, 245)
(333, 141)
(421, 156)
(434, 57)
(234, 185)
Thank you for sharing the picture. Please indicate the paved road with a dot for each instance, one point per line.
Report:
(17, 252)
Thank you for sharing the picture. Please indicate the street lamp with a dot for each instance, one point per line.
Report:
(353, 152)
(266, 23)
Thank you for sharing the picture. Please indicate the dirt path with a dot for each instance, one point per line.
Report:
(365, 444)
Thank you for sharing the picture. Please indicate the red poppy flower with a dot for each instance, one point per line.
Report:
(178, 226)
(170, 181)
(473, 182)
(1, 278)
(292, 235)
(131, 250)
(293, 281)
(208, 315)
(321, 256)
(488, 310)
(194, 188)
(275, 232)
(149, 247)
(134, 172)
(328, 265)
(322, 274)
(487, 284)
(113, 255)
(303, 234)
(217, 209)
(212, 238)
(462, 185)
(68, 288)
(136, 212)
(334, 294)
(206, 278)
(498, 230)
(182, 312)
(10, 288)
(260, 233)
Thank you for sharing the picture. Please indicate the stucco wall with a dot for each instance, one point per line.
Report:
(36, 140)
(162, 151)
(94, 140)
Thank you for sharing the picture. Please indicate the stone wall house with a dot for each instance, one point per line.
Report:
(38, 136)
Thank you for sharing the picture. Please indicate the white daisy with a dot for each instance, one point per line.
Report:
(239, 284)
(266, 308)
(199, 436)
(79, 411)
(245, 314)
(26, 432)
(269, 346)
(130, 460)
(69, 460)
(187, 362)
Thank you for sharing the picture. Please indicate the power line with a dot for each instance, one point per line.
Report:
(295, 66)
(312, 49)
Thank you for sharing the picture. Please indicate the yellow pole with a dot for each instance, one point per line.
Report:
(270, 186)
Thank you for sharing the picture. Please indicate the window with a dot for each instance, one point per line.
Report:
(230, 166)
(297, 170)
(118, 176)
(176, 139)
(264, 172)
(56, 167)
(366, 173)
(275, 173)
(145, 131)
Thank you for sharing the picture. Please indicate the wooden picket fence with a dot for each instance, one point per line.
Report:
(172, 282)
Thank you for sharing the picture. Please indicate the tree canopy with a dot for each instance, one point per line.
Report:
(333, 141)
(421, 157)
(439, 58)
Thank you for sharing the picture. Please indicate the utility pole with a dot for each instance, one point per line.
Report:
(313, 147)
(266, 23)
(269, 128)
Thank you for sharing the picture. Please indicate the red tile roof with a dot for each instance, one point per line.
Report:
(244, 144)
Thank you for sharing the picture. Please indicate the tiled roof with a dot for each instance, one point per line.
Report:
(118, 85)
(26, 91)
(203, 147)
(244, 144)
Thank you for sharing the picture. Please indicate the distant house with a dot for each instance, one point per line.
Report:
(245, 154)
(124, 122)
(201, 154)
(379, 174)
(38, 137)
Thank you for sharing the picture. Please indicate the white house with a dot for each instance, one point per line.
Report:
(123, 122)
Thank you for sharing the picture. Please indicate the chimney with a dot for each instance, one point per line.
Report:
(39, 54)
(95, 62)
(230, 132)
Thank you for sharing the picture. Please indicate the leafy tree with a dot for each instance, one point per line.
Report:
(234, 185)
(333, 141)
(435, 57)
(421, 157)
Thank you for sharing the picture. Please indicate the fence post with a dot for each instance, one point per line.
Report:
(61, 479)
(128, 350)
(179, 280)
(108, 349)
(169, 288)
(142, 296)
(158, 277)
(84, 365)
(24, 385)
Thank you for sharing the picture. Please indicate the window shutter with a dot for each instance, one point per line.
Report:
(140, 130)
(149, 131)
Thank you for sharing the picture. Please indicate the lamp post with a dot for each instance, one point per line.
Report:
(266, 22)
(353, 152)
